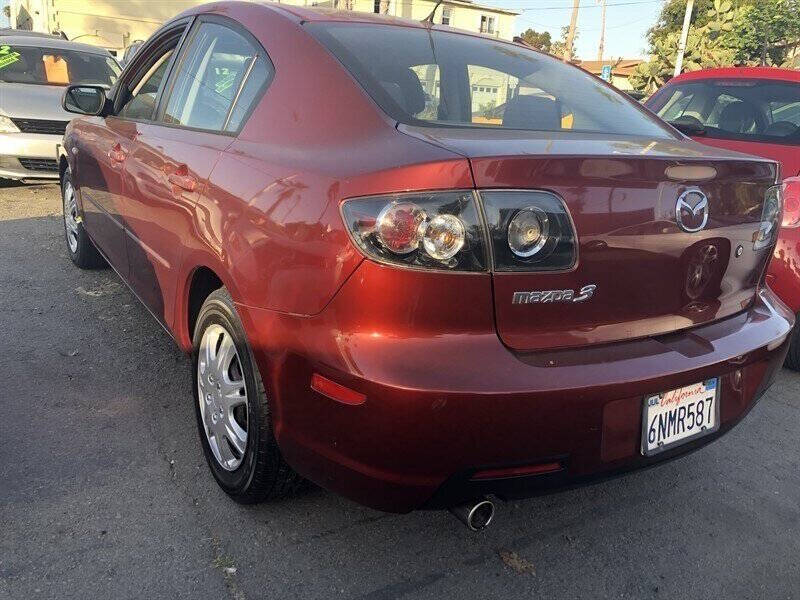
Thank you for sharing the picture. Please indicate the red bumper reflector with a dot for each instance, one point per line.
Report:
(335, 391)
(539, 469)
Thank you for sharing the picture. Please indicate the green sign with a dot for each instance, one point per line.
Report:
(8, 56)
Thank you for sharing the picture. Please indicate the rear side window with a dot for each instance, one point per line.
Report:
(747, 110)
(427, 77)
(218, 68)
(251, 90)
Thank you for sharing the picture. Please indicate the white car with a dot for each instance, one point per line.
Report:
(33, 74)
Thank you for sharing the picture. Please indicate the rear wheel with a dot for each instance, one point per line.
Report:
(793, 356)
(81, 249)
(232, 408)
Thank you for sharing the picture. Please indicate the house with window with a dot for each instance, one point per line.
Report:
(462, 14)
(117, 25)
(621, 69)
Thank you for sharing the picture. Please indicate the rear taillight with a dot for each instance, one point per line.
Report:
(438, 230)
(791, 202)
(527, 230)
(771, 217)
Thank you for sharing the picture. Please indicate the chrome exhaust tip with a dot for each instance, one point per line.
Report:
(475, 515)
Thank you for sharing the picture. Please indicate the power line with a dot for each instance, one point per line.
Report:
(585, 29)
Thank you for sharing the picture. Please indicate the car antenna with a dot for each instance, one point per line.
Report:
(429, 18)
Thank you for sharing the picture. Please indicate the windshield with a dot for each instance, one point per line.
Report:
(427, 77)
(742, 109)
(49, 66)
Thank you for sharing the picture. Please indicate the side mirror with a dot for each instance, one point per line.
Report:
(84, 99)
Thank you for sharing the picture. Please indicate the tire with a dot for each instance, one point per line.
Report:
(250, 470)
(793, 356)
(81, 249)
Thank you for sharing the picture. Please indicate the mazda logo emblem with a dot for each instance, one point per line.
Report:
(691, 211)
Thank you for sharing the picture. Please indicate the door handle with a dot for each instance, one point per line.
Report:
(185, 182)
(180, 177)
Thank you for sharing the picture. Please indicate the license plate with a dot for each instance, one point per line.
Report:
(680, 415)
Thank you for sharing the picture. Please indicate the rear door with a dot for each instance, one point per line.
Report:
(218, 75)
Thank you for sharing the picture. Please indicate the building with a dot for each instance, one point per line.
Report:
(621, 69)
(115, 24)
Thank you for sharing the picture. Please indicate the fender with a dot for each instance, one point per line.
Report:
(192, 261)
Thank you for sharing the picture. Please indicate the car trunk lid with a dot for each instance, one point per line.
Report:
(787, 155)
(650, 277)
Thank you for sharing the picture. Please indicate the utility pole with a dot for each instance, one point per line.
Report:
(687, 20)
(602, 46)
(573, 23)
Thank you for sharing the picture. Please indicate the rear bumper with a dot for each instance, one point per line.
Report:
(440, 407)
(463, 486)
(29, 155)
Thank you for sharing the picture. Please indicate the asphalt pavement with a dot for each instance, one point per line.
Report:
(104, 492)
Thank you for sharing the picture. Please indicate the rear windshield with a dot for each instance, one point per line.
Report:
(750, 110)
(49, 66)
(427, 77)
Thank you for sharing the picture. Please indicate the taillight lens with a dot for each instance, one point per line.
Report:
(398, 225)
(529, 231)
(440, 230)
(791, 202)
(771, 216)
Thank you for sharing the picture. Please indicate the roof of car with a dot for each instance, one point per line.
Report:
(5, 31)
(740, 73)
(54, 43)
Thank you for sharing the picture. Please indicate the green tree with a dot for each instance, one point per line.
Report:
(559, 48)
(766, 32)
(541, 41)
(487, 107)
(671, 18)
(722, 33)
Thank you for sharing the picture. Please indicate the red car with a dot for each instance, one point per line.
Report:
(401, 299)
(755, 110)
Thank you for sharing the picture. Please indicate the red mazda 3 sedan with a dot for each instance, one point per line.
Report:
(420, 267)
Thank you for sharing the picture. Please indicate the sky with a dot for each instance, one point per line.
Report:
(3, 20)
(627, 22)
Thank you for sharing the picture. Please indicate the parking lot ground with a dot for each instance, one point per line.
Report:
(104, 492)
